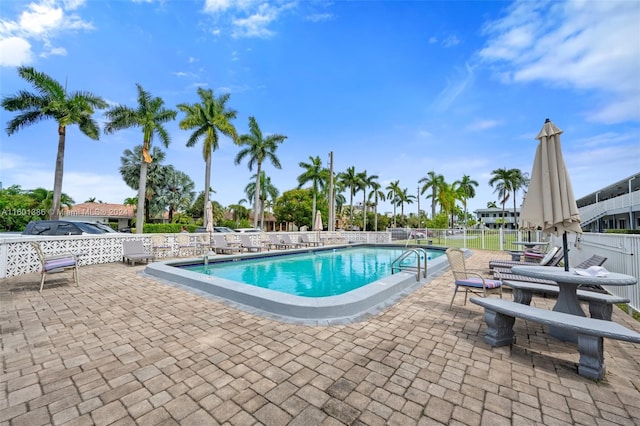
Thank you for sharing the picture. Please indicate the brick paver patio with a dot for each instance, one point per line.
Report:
(125, 349)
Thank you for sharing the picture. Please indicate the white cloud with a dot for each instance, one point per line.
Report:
(256, 24)
(591, 46)
(483, 124)
(450, 41)
(247, 18)
(15, 51)
(319, 17)
(38, 24)
(213, 6)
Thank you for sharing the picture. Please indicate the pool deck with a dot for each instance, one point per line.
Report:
(125, 349)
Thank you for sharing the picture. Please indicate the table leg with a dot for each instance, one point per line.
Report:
(568, 303)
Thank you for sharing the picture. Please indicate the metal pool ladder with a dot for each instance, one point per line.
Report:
(421, 262)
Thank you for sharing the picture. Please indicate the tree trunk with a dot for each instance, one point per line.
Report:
(364, 211)
(54, 214)
(256, 200)
(433, 202)
(207, 185)
(142, 190)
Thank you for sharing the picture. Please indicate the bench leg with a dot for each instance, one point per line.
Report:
(600, 310)
(591, 350)
(499, 329)
(522, 296)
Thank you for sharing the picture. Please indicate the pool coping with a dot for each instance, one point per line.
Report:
(352, 306)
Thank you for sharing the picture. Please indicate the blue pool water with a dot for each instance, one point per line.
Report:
(319, 273)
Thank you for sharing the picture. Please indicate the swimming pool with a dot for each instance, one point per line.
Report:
(341, 308)
(317, 273)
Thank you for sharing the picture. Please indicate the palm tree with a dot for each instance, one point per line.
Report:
(317, 175)
(44, 198)
(467, 188)
(502, 180)
(404, 197)
(435, 182)
(518, 180)
(447, 197)
(177, 191)
(377, 194)
(258, 148)
(130, 165)
(150, 115)
(492, 205)
(53, 101)
(365, 183)
(349, 179)
(208, 117)
(266, 189)
(392, 195)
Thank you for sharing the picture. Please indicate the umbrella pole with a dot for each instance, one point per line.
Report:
(565, 248)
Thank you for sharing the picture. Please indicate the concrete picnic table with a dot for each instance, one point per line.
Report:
(568, 283)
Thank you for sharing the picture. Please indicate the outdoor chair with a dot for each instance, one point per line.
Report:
(221, 246)
(505, 274)
(551, 258)
(276, 242)
(246, 243)
(304, 239)
(55, 263)
(185, 248)
(470, 280)
(287, 240)
(133, 251)
(160, 247)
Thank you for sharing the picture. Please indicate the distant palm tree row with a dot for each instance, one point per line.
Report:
(207, 120)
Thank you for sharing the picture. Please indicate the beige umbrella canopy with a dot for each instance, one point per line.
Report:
(317, 224)
(549, 203)
(208, 212)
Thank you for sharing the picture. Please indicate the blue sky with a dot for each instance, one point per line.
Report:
(394, 88)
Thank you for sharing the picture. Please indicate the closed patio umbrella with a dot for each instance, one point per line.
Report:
(208, 217)
(549, 203)
(317, 224)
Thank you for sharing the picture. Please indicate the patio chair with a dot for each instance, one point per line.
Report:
(221, 246)
(276, 242)
(133, 251)
(286, 239)
(160, 247)
(551, 258)
(470, 280)
(505, 274)
(304, 239)
(55, 263)
(246, 243)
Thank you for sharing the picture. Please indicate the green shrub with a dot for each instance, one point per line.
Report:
(165, 228)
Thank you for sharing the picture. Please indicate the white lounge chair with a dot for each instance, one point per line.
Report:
(133, 251)
(246, 243)
(221, 246)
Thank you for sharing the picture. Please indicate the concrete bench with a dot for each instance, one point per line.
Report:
(500, 316)
(600, 304)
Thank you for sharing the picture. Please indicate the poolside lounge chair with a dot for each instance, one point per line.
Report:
(470, 280)
(55, 263)
(160, 246)
(221, 246)
(304, 239)
(287, 240)
(246, 243)
(133, 251)
(276, 242)
(552, 258)
(505, 274)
